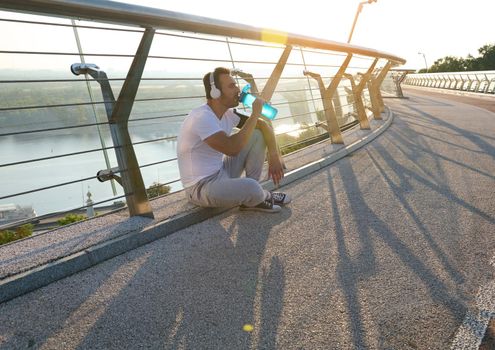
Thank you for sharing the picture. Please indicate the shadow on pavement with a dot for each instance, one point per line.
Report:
(402, 179)
(203, 297)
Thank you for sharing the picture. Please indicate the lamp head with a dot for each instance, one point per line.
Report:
(236, 71)
(82, 68)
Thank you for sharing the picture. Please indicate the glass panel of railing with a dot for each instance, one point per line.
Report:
(54, 127)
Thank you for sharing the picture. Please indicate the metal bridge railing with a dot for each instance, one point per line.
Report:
(478, 81)
(64, 133)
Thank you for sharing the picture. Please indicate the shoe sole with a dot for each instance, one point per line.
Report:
(288, 200)
(275, 209)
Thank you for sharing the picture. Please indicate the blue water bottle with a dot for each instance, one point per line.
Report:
(247, 99)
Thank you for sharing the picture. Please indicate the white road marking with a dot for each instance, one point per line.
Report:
(473, 328)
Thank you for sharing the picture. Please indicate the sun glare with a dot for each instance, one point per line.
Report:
(272, 36)
(289, 129)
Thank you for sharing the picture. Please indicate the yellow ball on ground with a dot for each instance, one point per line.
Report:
(247, 328)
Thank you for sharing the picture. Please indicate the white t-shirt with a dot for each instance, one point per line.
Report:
(196, 159)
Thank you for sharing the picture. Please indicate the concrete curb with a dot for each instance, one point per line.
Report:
(43, 275)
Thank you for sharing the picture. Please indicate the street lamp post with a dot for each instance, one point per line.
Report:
(360, 7)
(424, 57)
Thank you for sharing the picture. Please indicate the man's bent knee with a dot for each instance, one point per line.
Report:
(252, 192)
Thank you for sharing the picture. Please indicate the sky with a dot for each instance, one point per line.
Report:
(436, 28)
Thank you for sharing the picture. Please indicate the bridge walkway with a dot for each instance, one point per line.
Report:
(390, 247)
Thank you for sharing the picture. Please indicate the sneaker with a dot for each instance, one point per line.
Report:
(280, 198)
(267, 206)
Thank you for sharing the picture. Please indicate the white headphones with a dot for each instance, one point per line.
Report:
(214, 92)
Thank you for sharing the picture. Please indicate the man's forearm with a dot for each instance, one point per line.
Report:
(240, 139)
(275, 163)
(269, 136)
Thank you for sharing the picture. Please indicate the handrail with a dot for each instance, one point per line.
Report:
(135, 15)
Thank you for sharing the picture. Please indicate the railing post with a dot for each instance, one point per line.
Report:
(487, 85)
(445, 81)
(438, 82)
(358, 101)
(399, 79)
(358, 94)
(327, 94)
(377, 104)
(478, 83)
(132, 180)
(272, 82)
(332, 123)
(456, 83)
(470, 83)
(118, 113)
(450, 82)
(463, 82)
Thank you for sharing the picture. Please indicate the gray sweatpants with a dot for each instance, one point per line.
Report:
(226, 188)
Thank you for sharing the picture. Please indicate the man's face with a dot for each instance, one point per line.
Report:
(230, 91)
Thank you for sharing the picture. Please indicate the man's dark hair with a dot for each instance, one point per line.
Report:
(216, 78)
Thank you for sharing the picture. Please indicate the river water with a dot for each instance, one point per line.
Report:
(26, 177)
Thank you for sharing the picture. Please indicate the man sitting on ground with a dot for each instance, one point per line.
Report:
(211, 159)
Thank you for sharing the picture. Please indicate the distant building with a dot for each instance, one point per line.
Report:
(14, 212)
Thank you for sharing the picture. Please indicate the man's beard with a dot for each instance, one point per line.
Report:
(234, 102)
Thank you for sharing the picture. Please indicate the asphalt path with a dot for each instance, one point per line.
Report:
(387, 248)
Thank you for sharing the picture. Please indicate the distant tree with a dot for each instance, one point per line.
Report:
(472, 63)
(157, 189)
(487, 53)
(20, 232)
(448, 64)
(485, 61)
(70, 218)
